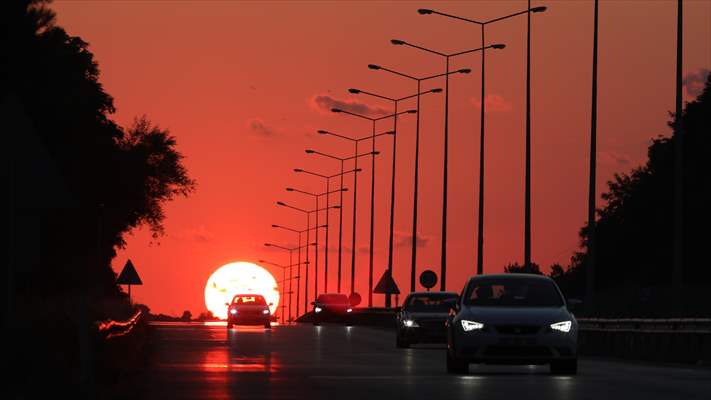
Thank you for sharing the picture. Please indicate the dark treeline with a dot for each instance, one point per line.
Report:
(634, 230)
(79, 183)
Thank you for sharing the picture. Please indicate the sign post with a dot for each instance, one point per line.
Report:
(129, 276)
(428, 279)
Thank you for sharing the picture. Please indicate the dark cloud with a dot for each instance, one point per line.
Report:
(694, 81)
(259, 128)
(325, 103)
(613, 159)
(197, 234)
(403, 239)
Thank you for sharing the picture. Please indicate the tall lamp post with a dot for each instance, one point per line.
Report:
(298, 268)
(308, 214)
(372, 188)
(355, 142)
(445, 177)
(417, 155)
(284, 280)
(395, 102)
(316, 197)
(527, 207)
(340, 211)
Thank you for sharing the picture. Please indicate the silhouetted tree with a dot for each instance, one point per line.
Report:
(187, 316)
(117, 179)
(515, 268)
(634, 229)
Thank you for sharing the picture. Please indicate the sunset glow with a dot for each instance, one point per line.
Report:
(239, 278)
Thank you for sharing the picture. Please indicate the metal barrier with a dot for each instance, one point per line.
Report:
(109, 329)
(674, 339)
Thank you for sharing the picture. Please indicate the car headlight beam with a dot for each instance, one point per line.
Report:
(469, 326)
(233, 311)
(265, 311)
(563, 326)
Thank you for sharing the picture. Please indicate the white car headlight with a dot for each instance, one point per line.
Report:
(317, 309)
(563, 326)
(349, 310)
(410, 323)
(233, 311)
(265, 311)
(469, 326)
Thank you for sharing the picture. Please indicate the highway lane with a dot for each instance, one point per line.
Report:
(337, 362)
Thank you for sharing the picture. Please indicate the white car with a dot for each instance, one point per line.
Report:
(512, 319)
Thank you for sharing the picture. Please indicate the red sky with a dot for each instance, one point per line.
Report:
(235, 82)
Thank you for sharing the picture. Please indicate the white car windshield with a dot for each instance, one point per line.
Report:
(512, 292)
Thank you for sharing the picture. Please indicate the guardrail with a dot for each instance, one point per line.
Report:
(674, 339)
(669, 325)
(110, 329)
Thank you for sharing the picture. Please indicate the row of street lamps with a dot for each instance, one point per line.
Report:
(373, 152)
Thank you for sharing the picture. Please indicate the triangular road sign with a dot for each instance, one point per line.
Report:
(386, 284)
(128, 275)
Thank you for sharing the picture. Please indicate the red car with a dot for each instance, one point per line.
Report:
(249, 309)
(332, 307)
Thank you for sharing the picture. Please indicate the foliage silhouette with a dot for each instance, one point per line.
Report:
(634, 228)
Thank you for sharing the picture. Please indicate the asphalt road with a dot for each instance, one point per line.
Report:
(337, 362)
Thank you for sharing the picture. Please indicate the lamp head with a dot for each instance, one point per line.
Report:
(336, 207)
(538, 9)
(322, 132)
(309, 151)
(424, 11)
(267, 244)
(344, 190)
(354, 91)
(298, 170)
(289, 189)
(436, 90)
(498, 46)
(397, 42)
(358, 169)
(275, 226)
(390, 132)
(280, 203)
(412, 111)
(373, 66)
(464, 71)
(336, 110)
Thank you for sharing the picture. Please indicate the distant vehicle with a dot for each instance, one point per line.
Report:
(249, 309)
(422, 318)
(512, 319)
(331, 307)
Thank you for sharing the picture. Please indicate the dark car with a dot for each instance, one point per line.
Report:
(249, 309)
(331, 307)
(422, 318)
(512, 319)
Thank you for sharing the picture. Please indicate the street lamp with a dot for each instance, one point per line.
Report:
(355, 157)
(308, 214)
(316, 197)
(284, 279)
(298, 269)
(447, 56)
(372, 187)
(527, 224)
(395, 102)
(417, 154)
(340, 211)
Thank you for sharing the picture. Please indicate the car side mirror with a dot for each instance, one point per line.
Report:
(271, 304)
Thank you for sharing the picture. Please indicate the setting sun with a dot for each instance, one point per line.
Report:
(239, 278)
